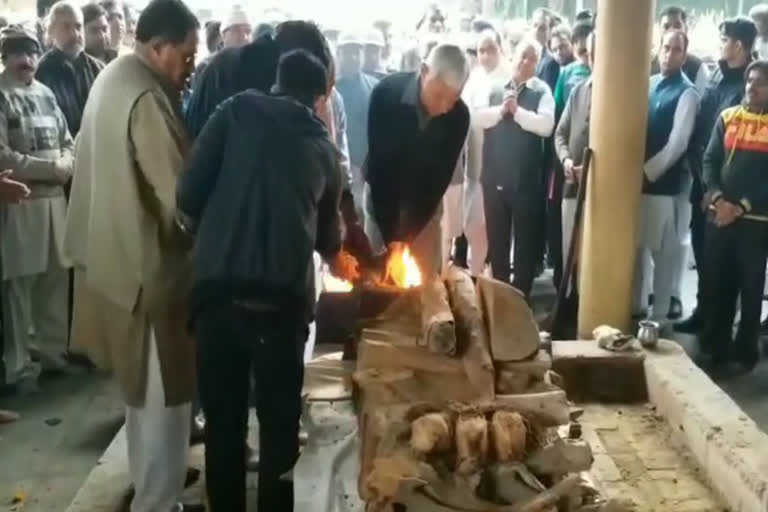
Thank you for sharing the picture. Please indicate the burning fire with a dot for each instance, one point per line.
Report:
(402, 269)
(335, 285)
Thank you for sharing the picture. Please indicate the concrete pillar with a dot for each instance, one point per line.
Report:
(617, 136)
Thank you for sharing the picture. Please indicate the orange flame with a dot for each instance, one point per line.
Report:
(402, 269)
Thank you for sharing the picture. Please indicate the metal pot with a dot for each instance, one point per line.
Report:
(648, 333)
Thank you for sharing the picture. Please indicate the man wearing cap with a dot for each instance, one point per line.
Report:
(373, 51)
(355, 88)
(35, 144)
(236, 28)
(66, 68)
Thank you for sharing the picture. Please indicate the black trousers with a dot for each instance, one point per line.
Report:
(734, 266)
(555, 223)
(698, 235)
(232, 343)
(505, 210)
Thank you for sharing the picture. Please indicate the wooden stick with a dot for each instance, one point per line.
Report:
(437, 325)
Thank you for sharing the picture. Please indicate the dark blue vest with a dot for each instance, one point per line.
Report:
(662, 102)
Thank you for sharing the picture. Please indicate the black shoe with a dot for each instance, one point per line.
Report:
(675, 309)
(692, 325)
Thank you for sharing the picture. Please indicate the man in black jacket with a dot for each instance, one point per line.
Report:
(417, 126)
(262, 192)
(66, 69)
(726, 89)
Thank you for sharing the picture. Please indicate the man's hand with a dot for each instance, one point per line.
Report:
(578, 170)
(357, 243)
(726, 213)
(570, 177)
(510, 105)
(344, 266)
(11, 191)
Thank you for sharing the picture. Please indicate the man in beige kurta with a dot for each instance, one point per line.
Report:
(131, 260)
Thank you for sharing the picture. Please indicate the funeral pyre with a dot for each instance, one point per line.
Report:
(459, 409)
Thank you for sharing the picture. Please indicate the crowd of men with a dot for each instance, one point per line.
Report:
(160, 215)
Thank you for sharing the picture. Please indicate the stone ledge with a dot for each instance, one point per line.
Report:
(593, 374)
(730, 448)
(105, 488)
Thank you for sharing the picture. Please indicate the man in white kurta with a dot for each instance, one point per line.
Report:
(492, 73)
(673, 104)
(35, 144)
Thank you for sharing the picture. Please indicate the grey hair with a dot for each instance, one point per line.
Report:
(529, 42)
(450, 63)
(62, 7)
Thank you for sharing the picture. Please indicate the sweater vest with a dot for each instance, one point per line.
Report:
(662, 103)
(512, 157)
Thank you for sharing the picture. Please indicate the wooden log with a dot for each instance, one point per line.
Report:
(373, 353)
(437, 325)
(548, 407)
(535, 366)
(514, 483)
(471, 442)
(508, 436)
(432, 433)
(513, 333)
(550, 497)
(471, 336)
(561, 457)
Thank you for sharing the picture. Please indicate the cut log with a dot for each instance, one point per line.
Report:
(536, 366)
(374, 352)
(514, 483)
(550, 497)
(511, 382)
(471, 442)
(512, 329)
(471, 336)
(508, 434)
(437, 325)
(432, 433)
(561, 457)
(548, 407)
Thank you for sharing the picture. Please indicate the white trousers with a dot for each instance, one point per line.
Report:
(158, 444)
(453, 219)
(474, 227)
(659, 243)
(569, 220)
(35, 322)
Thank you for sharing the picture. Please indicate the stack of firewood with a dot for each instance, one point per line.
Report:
(460, 409)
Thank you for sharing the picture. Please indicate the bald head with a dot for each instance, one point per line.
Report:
(65, 27)
(759, 15)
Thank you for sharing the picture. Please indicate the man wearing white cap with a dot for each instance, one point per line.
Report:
(236, 28)
(373, 49)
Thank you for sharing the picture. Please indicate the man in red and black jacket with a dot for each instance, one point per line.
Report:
(737, 231)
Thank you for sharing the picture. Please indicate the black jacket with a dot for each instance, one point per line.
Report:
(548, 69)
(231, 71)
(262, 191)
(409, 168)
(726, 89)
(71, 81)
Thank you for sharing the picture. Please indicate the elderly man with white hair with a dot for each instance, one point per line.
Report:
(66, 69)
(520, 118)
(417, 128)
(759, 14)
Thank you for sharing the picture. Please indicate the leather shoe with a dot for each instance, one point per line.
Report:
(692, 325)
(675, 309)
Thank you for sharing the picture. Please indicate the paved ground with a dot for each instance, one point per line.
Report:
(47, 464)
